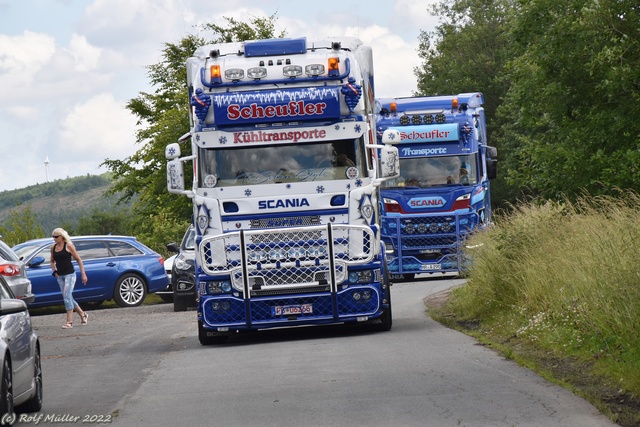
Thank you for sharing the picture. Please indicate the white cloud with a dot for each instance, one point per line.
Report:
(97, 129)
(85, 56)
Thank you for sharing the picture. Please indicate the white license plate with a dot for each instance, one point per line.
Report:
(288, 310)
(431, 267)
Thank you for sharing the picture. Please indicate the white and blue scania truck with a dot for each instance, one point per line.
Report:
(286, 178)
(442, 195)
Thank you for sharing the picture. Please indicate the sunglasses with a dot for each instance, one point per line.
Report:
(55, 236)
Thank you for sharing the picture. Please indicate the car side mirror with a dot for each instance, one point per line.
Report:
(173, 247)
(36, 261)
(11, 306)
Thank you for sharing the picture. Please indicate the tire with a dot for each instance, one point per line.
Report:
(208, 337)
(130, 291)
(166, 298)
(179, 303)
(35, 403)
(89, 305)
(385, 321)
(6, 389)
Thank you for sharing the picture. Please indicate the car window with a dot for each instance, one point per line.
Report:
(7, 253)
(123, 248)
(5, 292)
(190, 240)
(91, 249)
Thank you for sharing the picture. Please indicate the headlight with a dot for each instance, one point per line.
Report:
(218, 287)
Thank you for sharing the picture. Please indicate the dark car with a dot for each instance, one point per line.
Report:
(21, 377)
(183, 272)
(14, 270)
(118, 267)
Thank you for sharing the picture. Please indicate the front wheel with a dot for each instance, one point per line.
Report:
(130, 291)
(6, 390)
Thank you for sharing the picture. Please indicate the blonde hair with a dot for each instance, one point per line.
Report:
(63, 233)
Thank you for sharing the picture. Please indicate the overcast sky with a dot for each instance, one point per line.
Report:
(68, 67)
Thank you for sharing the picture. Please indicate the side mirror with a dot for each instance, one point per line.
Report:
(492, 162)
(11, 306)
(173, 247)
(175, 176)
(389, 162)
(36, 261)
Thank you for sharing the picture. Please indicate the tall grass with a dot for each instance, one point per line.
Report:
(566, 277)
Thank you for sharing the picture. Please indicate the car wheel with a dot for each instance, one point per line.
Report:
(130, 291)
(35, 403)
(179, 303)
(209, 337)
(6, 390)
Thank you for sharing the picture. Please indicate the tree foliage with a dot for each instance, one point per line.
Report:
(561, 80)
(574, 101)
(20, 226)
(163, 117)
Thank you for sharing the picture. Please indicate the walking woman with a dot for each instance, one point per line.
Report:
(61, 253)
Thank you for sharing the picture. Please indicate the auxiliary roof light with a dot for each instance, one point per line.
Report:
(440, 118)
(314, 70)
(257, 73)
(292, 70)
(405, 120)
(234, 74)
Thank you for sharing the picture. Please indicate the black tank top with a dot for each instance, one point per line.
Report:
(63, 261)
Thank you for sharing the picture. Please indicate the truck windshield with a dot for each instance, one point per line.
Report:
(435, 171)
(253, 165)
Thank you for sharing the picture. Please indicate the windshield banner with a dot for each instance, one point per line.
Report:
(283, 105)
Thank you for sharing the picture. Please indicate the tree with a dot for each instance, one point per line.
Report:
(164, 117)
(574, 98)
(468, 52)
(20, 226)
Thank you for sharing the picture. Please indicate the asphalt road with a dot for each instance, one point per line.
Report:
(144, 366)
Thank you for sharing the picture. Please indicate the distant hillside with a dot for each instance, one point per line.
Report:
(62, 202)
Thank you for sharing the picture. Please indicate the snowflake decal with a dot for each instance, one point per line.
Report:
(359, 182)
(320, 189)
(247, 192)
(172, 151)
(392, 136)
(337, 127)
(348, 186)
(222, 140)
(357, 128)
(288, 186)
(198, 137)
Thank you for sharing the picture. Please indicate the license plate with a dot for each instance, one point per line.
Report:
(288, 310)
(431, 267)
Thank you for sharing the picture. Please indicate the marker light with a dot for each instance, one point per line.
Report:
(393, 107)
(314, 69)
(454, 103)
(391, 205)
(257, 72)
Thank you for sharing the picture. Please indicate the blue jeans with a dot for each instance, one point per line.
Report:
(67, 283)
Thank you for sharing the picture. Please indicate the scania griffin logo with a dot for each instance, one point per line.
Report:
(282, 203)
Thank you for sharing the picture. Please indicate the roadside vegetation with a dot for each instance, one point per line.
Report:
(556, 287)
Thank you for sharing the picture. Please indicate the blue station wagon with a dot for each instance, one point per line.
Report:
(118, 267)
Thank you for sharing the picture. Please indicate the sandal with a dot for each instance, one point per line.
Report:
(84, 319)
(67, 325)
